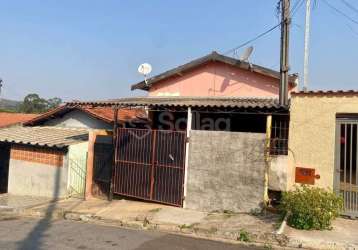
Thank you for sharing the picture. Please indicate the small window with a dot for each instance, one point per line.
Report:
(279, 135)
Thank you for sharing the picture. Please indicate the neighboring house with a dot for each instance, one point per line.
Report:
(38, 159)
(87, 117)
(208, 144)
(323, 143)
(8, 119)
(216, 75)
(50, 154)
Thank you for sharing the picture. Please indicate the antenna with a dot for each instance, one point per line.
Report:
(145, 69)
(247, 53)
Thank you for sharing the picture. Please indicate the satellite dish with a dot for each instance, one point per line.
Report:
(247, 53)
(144, 69)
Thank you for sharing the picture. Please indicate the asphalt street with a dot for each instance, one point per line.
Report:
(28, 233)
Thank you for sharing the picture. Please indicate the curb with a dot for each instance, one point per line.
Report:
(320, 245)
(268, 240)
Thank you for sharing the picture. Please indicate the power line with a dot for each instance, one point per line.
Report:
(340, 12)
(253, 39)
(294, 10)
(350, 6)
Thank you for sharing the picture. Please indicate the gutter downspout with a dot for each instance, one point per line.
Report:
(188, 130)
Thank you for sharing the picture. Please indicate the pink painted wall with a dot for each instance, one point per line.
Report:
(218, 79)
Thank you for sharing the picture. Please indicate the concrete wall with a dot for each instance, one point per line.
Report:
(78, 119)
(312, 133)
(217, 79)
(36, 179)
(225, 171)
(278, 172)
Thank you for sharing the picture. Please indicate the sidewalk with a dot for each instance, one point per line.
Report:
(18, 202)
(152, 216)
(344, 235)
(248, 228)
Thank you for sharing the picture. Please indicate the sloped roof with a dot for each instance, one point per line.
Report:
(43, 136)
(105, 114)
(326, 93)
(10, 119)
(184, 101)
(213, 57)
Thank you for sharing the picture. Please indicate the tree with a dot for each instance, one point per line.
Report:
(53, 102)
(33, 103)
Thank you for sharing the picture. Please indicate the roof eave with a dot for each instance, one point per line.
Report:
(214, 56)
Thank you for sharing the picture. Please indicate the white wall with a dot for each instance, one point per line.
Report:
(36, 179)
(77, 168)
(78, 119)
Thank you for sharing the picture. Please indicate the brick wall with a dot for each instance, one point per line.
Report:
(46, 156)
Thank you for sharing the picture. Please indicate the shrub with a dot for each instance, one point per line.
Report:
(311, 207)
(244, 236)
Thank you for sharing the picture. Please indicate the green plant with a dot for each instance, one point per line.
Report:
(155, 210)
(185, 226)
(311, 207)
(146, 222)
(244, 236)
(268, 246)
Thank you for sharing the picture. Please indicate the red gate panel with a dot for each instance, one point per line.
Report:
(149, 164)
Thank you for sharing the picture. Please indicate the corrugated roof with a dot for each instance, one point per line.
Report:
(325, 92)
(105, 114)
(10, 119)
(43, 136)
(180, 101)
(216, 57)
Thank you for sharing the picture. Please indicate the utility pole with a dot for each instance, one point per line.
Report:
(284, 59)
(0, 87)
(307, 39)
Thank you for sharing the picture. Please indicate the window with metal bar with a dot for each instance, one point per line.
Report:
(279, 135)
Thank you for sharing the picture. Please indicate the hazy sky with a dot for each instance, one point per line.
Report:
(87, 49)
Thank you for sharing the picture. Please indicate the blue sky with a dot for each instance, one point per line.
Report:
(87, 49)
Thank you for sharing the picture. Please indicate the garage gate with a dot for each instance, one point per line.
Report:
(150, 165)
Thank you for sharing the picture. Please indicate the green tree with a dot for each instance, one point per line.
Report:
(33, 103)
(53, 102)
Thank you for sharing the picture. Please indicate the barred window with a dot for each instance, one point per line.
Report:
(279, 135)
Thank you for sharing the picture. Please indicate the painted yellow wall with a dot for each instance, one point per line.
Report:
(312, 133)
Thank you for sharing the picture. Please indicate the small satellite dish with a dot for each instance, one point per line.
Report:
(144, 69)
(247, 53)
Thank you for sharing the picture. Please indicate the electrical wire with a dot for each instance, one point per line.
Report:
(339, 12)
(253, 39)
(350, 6)
(294, 10)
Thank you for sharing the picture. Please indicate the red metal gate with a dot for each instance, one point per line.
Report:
(149, 164)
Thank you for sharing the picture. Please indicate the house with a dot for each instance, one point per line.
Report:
(216, 75)
(323, 143)
(215, 127)
(8, 119)
(49, 154)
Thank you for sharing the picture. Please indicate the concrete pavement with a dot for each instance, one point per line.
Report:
(132, 214)
(152, 216)
(35, 234)
(344, 235)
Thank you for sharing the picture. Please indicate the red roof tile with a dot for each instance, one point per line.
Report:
(124, 115)
(105, 114)
(9, 119)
